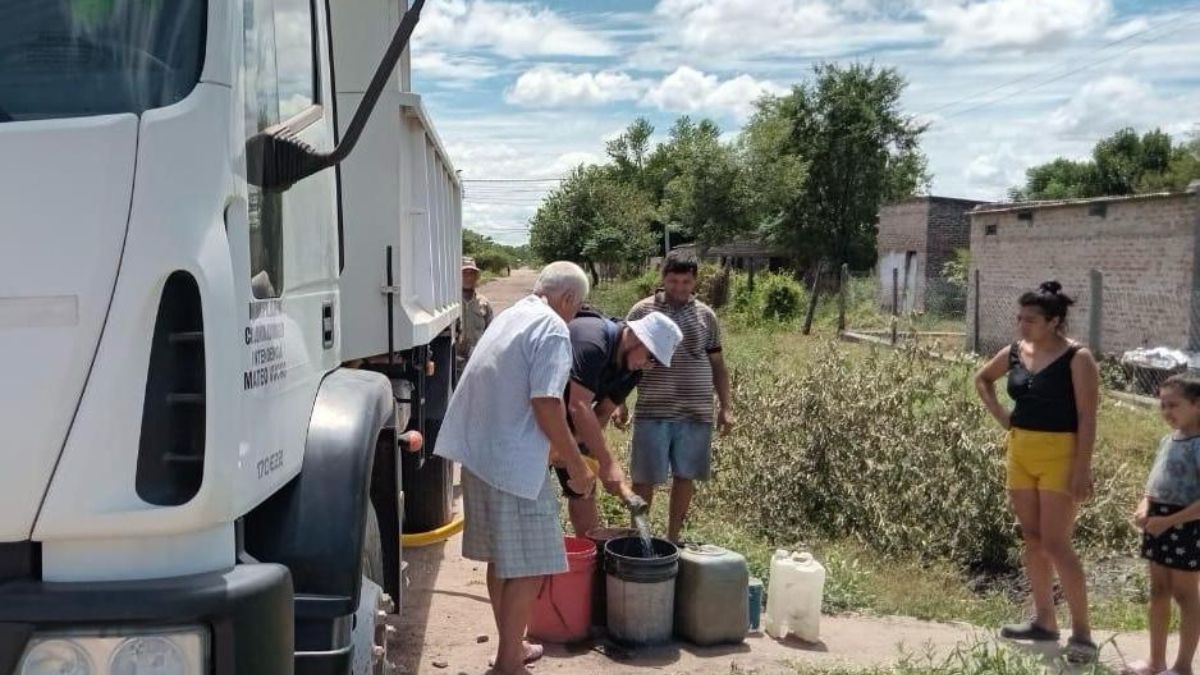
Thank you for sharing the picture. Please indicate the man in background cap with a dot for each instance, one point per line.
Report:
(476, 315)
(608, 359)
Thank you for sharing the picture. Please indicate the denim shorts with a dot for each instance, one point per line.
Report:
(683, 447)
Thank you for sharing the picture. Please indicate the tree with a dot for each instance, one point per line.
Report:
(628, 151)
(593, 217)
(860, 151)
(770, 166)
(491, 255)
(1121, 164)
(703, 192)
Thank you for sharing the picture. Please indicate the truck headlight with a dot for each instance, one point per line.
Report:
(173, 651)
(56, 657)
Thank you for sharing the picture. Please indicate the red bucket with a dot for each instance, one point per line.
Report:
(563, 610)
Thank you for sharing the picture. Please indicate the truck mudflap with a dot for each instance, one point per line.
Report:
(247, 609)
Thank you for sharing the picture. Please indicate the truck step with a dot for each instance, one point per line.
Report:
(176, 458)
(186, 337)
(185, 399)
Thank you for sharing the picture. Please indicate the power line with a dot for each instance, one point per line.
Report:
(513, 180)
(1069, 73)
(1063, 62)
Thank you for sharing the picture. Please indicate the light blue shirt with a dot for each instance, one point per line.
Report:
(1175, 478)
(490, 427)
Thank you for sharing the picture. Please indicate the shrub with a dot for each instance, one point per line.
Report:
(890, 449)
(775, 299)
(647, 282)
(782, 298)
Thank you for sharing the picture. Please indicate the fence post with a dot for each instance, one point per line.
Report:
(750, 279)
(812, 299)
(843, 288)
(975, 336)
(1096, 312)
(895, 302)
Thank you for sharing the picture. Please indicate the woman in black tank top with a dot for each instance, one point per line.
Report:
(1054, 384)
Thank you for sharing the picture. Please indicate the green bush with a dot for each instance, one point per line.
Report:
(782, 298)
(713, 286)
(891, 449)
(775, 299)
(647, 282)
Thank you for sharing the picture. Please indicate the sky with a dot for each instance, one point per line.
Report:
(529, 90)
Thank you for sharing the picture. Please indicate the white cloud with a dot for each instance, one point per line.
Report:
(442, 66)
(738, 25)
(1014, 24)
(1101, 106)
(1127, 29)
(995, 171)
(690, 90)
(548, 86)
(513, 30)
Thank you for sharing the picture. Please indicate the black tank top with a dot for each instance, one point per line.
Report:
(1046, 399)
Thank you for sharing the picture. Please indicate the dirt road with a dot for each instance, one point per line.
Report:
(446, 623)
(504, 291)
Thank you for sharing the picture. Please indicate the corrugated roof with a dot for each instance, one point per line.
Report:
(1009, 207)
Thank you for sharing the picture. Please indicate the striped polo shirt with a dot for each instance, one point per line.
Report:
(685, 390)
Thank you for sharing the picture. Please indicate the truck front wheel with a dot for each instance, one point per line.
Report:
(371, 630)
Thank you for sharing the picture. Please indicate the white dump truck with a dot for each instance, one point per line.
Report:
(229, 251)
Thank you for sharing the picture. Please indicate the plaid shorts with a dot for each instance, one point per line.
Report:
(520, 537)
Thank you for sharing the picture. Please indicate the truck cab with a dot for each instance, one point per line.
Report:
(211, 367)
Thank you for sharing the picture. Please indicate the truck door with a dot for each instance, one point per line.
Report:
(292, 296)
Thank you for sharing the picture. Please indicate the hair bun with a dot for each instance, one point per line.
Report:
(1051, 288)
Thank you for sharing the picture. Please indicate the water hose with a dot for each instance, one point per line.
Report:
(419, 539)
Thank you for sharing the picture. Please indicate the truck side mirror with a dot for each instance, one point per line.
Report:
(276, 159)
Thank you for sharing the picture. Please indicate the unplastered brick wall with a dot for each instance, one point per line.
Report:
(903, 228)
(1144, 247)
(949, 230)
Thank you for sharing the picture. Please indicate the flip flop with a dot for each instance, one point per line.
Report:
(1029, 632)
(1081, 651)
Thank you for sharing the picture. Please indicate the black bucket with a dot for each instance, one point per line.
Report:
(601, 536)
(625, 558)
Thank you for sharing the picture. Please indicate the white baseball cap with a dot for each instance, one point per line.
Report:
(660, 335)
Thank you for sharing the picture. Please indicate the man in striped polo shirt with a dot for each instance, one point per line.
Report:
(673, 419)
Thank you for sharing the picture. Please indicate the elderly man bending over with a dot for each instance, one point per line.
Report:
(505, 423)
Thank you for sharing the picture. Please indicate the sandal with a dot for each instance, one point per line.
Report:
(1081, 651)
(1029, 632)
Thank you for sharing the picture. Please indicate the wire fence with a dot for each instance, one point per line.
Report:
(1141, 335)
(906, 310)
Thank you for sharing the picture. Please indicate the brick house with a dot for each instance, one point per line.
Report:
(916, 238)
(1129, 262)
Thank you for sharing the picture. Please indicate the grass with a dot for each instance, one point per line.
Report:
(863, 580)
(980, 657)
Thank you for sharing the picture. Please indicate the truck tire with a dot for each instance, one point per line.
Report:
(371, 629)
(428, 486)
(372, 553)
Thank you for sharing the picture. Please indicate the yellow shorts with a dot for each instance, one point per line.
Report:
(1040, 460)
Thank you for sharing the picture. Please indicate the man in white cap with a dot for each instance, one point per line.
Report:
(609, 357)
(476, 314)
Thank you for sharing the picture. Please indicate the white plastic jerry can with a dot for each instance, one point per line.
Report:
(794, 594)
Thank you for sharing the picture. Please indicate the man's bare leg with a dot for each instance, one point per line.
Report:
(585, 515)
(515, 611)
(682, 491)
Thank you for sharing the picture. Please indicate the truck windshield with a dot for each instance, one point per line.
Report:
(72, 58)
